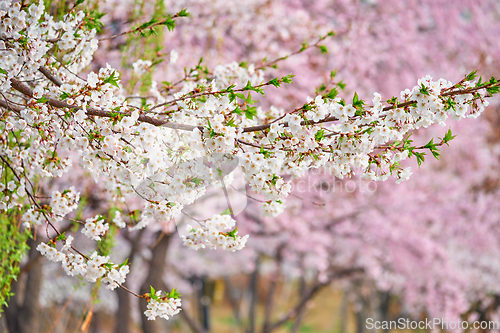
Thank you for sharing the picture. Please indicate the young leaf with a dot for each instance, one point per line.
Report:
(43, 99)
(275, 82)
(251, 112)
(174, 294)
(471, 76)
(287, 78)
(183, 13)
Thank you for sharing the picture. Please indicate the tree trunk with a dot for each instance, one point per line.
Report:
(156, 268)
(23, 313)
(301, 312)
(252, 289)
(122, 316)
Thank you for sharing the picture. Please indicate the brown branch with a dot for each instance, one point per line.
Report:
(24, 89)
(140, 28)
(21, 87)
(193, 325)
(308, 296)
(124, 306)
(205, 93)
(302, 303)
(387, 108)
(233, 301)
(55, 80)
(302, 49)
(269, 302)
(154, 278)
(9, 106)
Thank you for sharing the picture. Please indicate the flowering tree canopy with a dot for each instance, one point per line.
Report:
(162, 148)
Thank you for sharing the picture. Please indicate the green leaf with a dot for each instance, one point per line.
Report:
(264, 152)
(356, 102)
(393, 100)
(147, 24)
(124, 264)
(304, 47)
(248, 86)
(153, 293)
(62, 236)
(3, 71)
(430, 144)
(471, 76)
(319, 135)
(170, 23)
(183, 13)
(479, 82)
(493, 90)
(232, 233)
(448, 137)
(449, 104)
(238, 111)
(93, 20)
(424, 90)
(112, 79)
(275, 82)
(230, 88)
(323, 49)
(332, 93)
(287, 78)
(420, 158)
(43, 99)
(321, 88)
(174, 294)
(157, 62)
(251, 112)
(226, 212)
(436, 154)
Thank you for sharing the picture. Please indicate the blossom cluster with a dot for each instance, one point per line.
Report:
(141, 66)
(225, 75)
(61, 204)
(90, 268)
(163, 308)
(272, 208)
(215, 233)
(133, 155)
(64, 203)
(95, 227)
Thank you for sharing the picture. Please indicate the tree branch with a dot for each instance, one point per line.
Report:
(309, 295)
